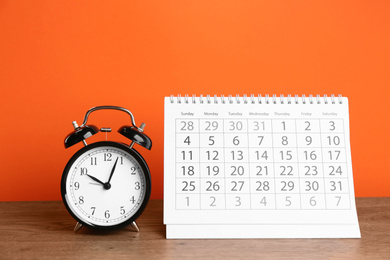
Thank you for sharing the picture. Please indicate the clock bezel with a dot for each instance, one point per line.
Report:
(131, 152)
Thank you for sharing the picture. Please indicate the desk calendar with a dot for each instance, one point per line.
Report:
(258, 167)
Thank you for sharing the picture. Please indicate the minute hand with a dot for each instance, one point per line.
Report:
(112, 171)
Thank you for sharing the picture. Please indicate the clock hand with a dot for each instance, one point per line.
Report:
(113, 169)
(95, 179)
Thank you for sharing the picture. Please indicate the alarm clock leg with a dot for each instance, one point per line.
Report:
(134, 226)
(77, 227)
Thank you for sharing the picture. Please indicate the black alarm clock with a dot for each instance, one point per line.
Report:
(106, 184)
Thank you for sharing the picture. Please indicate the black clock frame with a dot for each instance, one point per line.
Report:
(126, 149)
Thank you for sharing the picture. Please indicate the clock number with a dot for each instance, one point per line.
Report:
(132, 199)
(133, 170)
(93, 210)
(83, 170)
(76, 186)
(122, 210)
(121, 162)
(107, 214)
(107, 157)
(81, 200)
(93, 161)
(137, 185)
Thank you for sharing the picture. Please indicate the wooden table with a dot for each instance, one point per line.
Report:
(43, 230)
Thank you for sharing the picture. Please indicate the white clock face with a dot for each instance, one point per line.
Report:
(105, 186)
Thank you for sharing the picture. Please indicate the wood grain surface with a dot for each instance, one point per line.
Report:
(44, 230)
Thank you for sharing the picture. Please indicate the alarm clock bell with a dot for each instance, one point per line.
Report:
(80, 134)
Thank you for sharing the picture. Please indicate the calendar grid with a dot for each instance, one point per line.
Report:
(202, 171)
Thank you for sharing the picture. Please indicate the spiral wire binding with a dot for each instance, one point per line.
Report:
(259, 99)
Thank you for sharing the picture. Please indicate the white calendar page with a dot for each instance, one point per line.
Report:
(246, 167)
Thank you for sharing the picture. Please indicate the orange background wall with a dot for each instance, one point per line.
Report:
(59, 58)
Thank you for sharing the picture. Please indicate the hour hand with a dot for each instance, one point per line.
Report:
(95, 179)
